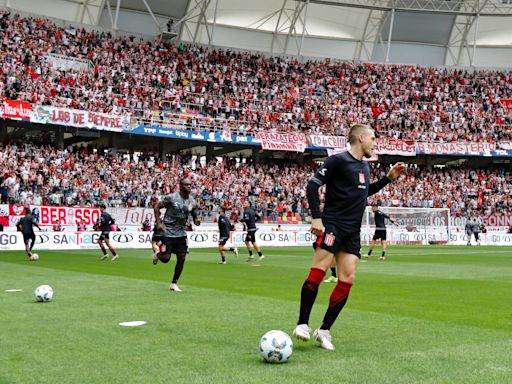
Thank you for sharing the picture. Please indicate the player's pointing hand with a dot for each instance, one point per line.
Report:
(395, 171)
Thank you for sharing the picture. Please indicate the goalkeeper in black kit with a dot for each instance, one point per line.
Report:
(347, 180)
(380, 231)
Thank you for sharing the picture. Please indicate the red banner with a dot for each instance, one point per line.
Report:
(327, 141)
(456, 148)
(46, 215)
(17, 110)
(282, 141)
(394, 147)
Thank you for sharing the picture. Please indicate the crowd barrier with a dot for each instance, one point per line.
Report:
(88, 240)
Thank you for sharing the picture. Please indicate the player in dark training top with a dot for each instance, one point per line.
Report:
(104, 224)
(249, 219)
(225, 228)
(380, 231)
(347, 180)
(178, 206)
(26, 225)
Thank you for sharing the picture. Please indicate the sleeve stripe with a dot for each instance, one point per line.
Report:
(317, 181)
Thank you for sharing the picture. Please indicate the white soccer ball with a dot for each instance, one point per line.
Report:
(43, 293)
(276, 346)
(35, 256)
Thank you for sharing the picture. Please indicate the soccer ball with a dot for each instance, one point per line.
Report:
(43, 293)
(276, 346)
(35, 256)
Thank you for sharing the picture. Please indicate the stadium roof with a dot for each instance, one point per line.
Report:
(458, 27)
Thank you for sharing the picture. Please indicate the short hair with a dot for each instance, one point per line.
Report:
(356, 130)
(184, 179)
(102, 205)
(222, 209)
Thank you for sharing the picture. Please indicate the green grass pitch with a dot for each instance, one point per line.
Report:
(425, 315)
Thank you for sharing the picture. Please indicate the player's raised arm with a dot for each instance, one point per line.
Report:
(158, 221)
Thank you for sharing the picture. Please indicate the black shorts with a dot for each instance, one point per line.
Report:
(104, 236)
(380, 234)
(335, 240)
(251, 237)
(157, 238)
(176, 245)
(476, 235)
(223, 240)
(29, 236)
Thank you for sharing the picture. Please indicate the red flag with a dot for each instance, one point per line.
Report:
(507, 103)
(377, 111)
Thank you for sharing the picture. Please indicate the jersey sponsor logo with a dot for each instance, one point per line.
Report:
(122, 237)
(361, 178)
(199, 237)
(267, 236)
(329, 239)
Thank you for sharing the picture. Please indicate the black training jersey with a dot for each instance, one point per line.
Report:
(105, 222)
(250, 219)
(224, 226)
(380, 219)
(26, 224)
(348, 186)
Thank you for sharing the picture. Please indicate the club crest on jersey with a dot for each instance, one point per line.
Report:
(329, 239)
(361, 178)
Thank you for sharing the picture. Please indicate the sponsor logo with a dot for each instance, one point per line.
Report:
(242, 139)
(150, 130)
(181, 134)
(198, 136)
(122, 237)
(267, 236)
(6, 239)
(42, 238)
(199, 237)
(166, 132)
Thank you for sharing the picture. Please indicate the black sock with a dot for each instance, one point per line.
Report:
(333, 271)
(114, 253)
(104, 252)
(370, 252)
(259, 253)
(180, 262)
(223, 258)
(231, 249)
(337, 301)
(383, 254)
(250, 253)
(308, 294)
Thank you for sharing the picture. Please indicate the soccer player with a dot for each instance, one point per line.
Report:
(26, 226)
(380, 231)
(476, 228)
(249, 219)
(470, 222)
(338, 227)
(178, 206)
(156, 240)
(104, 224)
(225, 228)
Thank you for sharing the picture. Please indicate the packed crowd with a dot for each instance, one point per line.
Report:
(84, 176)
(246, 92)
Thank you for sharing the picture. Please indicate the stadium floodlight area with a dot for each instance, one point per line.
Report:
(412, 225)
